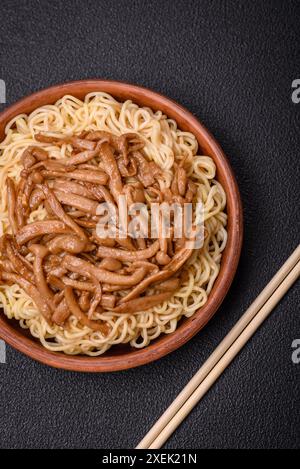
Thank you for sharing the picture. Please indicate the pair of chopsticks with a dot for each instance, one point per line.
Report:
(221, 358)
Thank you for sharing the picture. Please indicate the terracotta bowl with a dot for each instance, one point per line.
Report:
(124, 357)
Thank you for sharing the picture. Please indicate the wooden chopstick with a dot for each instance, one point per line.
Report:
(225, 361)
(224, 353)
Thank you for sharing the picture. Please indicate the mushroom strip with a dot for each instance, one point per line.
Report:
(11, 204)
(156, 277)
(36, 198)
(70, 243)
(111, 264)
(111, 288)
(18, 254)
(40, 252)
(39, 153)
(58, 297)
(148, 265)
(147, 171)
(132, 256)
(108, 301)
(86, 175)
(123, 147)
(82, 318)
(80, 266)
(48, 139)
(111, 168)
(19, 203)
(77, 201)
(20, 265)
(169, 285)
(90, 224)
(60, 213)
(163, 258)
(31, 291)
(119, 143)
(74, 188)
(129, 170)
(179, 259)
(100, 193)
(28, 188)
(126, 243)
(76, 213)
(109, 242)
(80, 143)
(91, 166)
(52, 165)
(168, 271)
(84, 286)
(55, 281)
(40, 228)
(96, 177)
(84, 301)
(75, 141)
(61, 313)
(28, 159)
(96, 299)
(143, 304)
(31, 154)
(82, 157)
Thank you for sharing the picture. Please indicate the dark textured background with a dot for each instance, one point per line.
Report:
(232, 64)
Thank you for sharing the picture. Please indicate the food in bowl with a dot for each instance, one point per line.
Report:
(76, 290)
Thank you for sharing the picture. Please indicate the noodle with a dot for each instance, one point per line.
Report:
(164, 144)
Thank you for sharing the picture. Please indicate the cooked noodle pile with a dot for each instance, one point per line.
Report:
(78, 292)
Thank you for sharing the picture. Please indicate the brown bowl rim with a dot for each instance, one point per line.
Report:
(187, 327)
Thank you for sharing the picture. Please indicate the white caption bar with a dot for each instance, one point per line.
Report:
(2, 352)
(2, 92)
